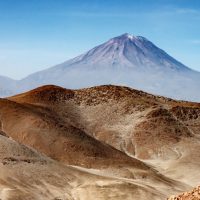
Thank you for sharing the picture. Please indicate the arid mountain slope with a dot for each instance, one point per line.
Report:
(42, 129)
(27, 175)
(163, 132)
(83, 167)
(113, 107)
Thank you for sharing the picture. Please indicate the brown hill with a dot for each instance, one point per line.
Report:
(28, 175)
(124, 132)
(162, 131)
(43, 129)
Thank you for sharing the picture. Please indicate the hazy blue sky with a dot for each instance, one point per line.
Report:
(36, 34)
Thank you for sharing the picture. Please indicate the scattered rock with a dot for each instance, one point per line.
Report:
(192, 195)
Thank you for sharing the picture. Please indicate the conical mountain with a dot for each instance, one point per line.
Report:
(128, 60)
(127, 51)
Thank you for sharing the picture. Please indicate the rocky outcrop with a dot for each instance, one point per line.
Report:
(192, 195)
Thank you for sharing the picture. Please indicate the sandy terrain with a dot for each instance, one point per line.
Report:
(105, 142)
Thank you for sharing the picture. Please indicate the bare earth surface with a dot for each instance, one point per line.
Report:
(105, 142)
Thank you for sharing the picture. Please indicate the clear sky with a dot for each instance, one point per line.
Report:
(36, 34)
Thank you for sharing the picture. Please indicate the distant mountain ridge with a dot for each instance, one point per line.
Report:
(7, 86)
(128, 60)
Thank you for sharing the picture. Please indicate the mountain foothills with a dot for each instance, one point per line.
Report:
(104, 142)
(124, 60)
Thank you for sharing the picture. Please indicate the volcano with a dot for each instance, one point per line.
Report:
(125, 60)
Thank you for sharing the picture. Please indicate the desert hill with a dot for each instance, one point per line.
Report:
(44, 130)
(112, 133)
(25, 174)
(128, 120)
